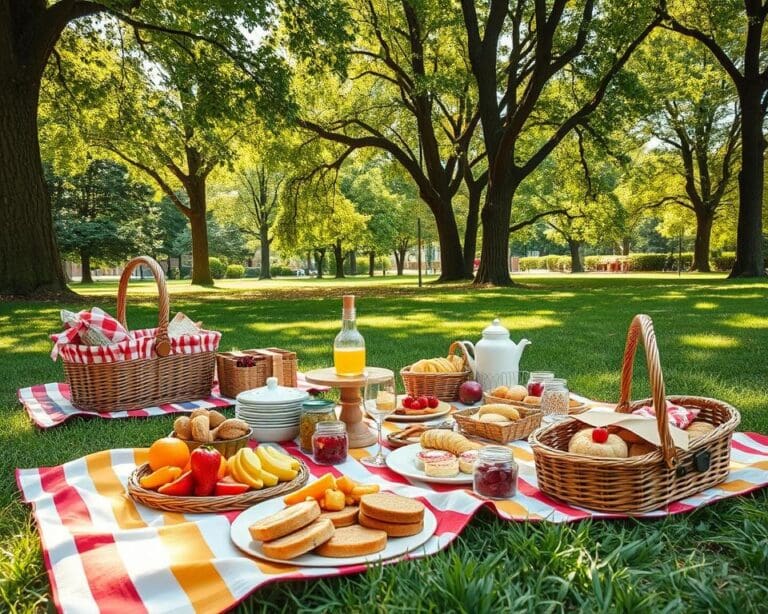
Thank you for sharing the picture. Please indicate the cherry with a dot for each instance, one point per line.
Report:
(600, 435)
(432, 402)
(408, 402)
(416, 404)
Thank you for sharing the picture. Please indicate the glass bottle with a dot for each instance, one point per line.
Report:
(349, 345)
(495, 473)
(330, 443)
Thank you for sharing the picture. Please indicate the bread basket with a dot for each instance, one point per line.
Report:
(638, 483)
(503, 432)
(444, 386)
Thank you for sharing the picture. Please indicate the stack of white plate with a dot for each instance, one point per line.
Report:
(273, 411)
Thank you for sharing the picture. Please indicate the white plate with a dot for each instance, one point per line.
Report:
(443, 409)
(396, 546)
(403, 461)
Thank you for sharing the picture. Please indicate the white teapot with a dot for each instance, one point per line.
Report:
(495, 360)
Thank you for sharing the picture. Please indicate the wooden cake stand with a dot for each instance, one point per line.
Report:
(359, 434)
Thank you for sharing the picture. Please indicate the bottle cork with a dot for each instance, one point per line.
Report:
(348, 302)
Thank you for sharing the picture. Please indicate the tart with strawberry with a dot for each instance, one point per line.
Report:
(598, 442)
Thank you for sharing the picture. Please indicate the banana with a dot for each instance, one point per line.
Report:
(269, 479)
(249, 462)
(275, 453)
(279, 468)
(241, 474)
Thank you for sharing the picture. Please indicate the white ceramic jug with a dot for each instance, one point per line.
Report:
(495, 360)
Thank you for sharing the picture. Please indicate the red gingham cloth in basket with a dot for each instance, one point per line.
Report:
(49, 405)
(96, 319)
(103, 552)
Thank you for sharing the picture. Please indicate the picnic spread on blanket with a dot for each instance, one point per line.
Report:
(293, 487)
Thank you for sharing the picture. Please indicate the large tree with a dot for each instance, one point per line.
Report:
(733, 31)
(29, 33)
(520, 53)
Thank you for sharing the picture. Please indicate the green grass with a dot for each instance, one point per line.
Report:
(713, 340)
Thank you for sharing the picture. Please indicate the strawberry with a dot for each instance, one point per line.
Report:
(424, 402)
(432, 402)
(600, 435)
(416, 404)
(408, 402)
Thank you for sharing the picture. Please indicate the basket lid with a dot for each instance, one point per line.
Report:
(272, 394)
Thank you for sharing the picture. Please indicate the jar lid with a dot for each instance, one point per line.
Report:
(496, 454)
(330, 427)
(317, 405)
(272, 394)
(495, 331)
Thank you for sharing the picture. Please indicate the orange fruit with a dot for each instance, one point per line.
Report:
(168, 451)
(223, 468)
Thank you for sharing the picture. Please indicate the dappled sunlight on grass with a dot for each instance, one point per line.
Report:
(705, 305)
(746, 321)
(710, 341)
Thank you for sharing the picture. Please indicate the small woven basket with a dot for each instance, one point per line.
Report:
(444, 386)
(226, 447)
(572, 409)
(638, 483)
(130, 384)
(204, 505)
(270, 362)
(530, 420)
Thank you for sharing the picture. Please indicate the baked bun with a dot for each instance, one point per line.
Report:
(589, 443)
(467, 461)
(389, 507)
(517, 393)
(509, 412)
(286, 521)
(641, 449)
(699, 428)
(493, 418)
(353, 541)
(531, 400)
(500, 391)
(392, 529)
(300, 542)
(342, 518)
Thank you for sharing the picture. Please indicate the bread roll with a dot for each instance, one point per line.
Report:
(509, 412)
(286, 521)
(530, 400)
(300, 542)
(517, 393)
(494, 418)
(582, 443)
(699, 428)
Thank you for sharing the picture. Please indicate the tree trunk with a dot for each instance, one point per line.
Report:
(371, 263)
(626, 245)
(264, 240)
(319, 261)
(29, 257)
(201, 271)
(749, 233)
(576, 266)
(338, 256)
(470, 232)
(494, 262)
(701, 247)
(309, 262)
(451, 255)
(400, 262)
(353, 262)
(85, 267)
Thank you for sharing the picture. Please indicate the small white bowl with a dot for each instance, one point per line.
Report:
(286, 433)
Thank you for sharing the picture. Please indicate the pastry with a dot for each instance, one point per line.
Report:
(353, 541)
(431, 455)
(442, 439)
(531, 400)
(467, 461)
(285, 521)
(598, 442)
(392, 529)
(342, 518)
(301, 541)
(699, 428)
(509, 412)
(442, 468)
(389, 507)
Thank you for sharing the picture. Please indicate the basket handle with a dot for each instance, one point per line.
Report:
(464, 353)
(162, 344)
(642, 326)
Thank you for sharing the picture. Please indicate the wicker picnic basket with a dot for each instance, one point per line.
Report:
(503, 432)
(638, 483)
(166, 376)
(269, 362)
(444, 386)
(204, 505)
(574, 407)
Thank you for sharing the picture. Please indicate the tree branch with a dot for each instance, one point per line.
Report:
(535, 218)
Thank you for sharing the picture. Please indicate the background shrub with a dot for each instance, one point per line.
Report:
(185, 272)
(281, 271)
(218, 268)
(251, 271)
(235, 271)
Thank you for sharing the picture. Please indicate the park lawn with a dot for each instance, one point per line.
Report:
(713, 340)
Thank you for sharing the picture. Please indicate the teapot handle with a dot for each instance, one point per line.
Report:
(469, 352)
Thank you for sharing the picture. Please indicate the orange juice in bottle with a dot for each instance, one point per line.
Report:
(349, 345)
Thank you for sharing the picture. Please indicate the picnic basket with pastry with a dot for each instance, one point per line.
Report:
(598, 468)
(439, 377)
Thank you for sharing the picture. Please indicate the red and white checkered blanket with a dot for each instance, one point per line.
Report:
(49, 404)
(103, 552)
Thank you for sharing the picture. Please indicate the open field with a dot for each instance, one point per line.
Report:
(713, 339)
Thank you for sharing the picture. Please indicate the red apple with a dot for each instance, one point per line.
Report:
(470, 392)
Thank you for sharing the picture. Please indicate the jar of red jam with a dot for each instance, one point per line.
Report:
(495, 474)
(330, 442)
(536, 382)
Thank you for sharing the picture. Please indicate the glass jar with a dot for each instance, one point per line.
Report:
(330, 443)
(495, 473)
(536, 382)
(554, 399)
(312, 412)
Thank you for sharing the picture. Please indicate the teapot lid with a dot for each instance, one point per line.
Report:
(495, 331)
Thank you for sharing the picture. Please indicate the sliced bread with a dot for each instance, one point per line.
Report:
(353, 541)
(300, 542)
(342, 518)
(392, 529)
(286, 521)
(389, 507)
